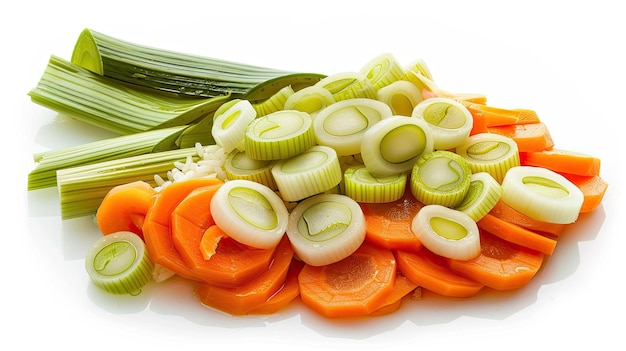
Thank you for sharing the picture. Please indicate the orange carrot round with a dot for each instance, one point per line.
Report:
(501, 265)
(124, 208)
(517, 234)
(355, 286)
(430, 271)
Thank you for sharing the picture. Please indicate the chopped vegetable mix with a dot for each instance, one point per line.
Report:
(349, 192)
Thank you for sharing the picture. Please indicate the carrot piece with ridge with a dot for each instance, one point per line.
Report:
(355, 286)
(529, 137)
(562, 161)
(287, 293)
(243, 298)
(516, 234)
(124, 208)
(389, 224)
(502, 265)
(507, 213)
(593, 188)
(157, 226)
(430, 271)
(401, 288)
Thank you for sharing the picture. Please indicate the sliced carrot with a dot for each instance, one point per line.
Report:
(593, 189)
(511, 215)
(526, 116)
(401, 288)
(430, 271)
(242, 299)
(157, 226)
(529, 137)
(562, 161)
(516, 234)
(355, 286)
(492, 116)
(124, 208)
(285, 294)
(502, 265)
(209, 242)
(389, 224)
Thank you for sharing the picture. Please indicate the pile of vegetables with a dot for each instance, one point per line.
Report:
(350, 191)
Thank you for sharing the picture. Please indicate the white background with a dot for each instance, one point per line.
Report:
(562, 59)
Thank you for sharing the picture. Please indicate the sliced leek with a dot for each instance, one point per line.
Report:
(229, 128)
(249, 212)
(279, 135)
(382, 70)
(360, 185)
(419, 74)
(312, 172)
(483, 194)
(491, 153)
(326, 228)
(118, 263)
(311, 100)
(447, 232)
(441, 178)
(348, 85)
(112, 105)
(542, 194)
(394, 144)
(343, 124)
(181, 73)
(450, 121)
(239, 166)
(401, 96)
(274, 103)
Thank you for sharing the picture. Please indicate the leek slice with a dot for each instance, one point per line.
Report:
(394, 144)
(312, 172)
(274, 103)
(343, 124)
(348, 85)
(118, 263)
(239, 166)
(279, 135)
(382, 70)
(180, 73)
(360, 185)
(450, 121)
(112, 105)
(401, 96)
(542, 194)
(447, 232)
(326, 228)
(483, 194)
(440, 177)
(311, 100)
(82, 188)
(491, 153)
(229, 128)
(419, 74)
(249, 212)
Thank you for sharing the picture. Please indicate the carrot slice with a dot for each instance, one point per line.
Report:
(593, 188)
(157, 226)
(529, 137)
(401, 288)
(389, 224)
(492, 116)
(562, 161)
(285, 294)
(517, 234)
(507, 213)
(526, 116)
(355, 286)
(124, 208)
(430, 271)
(502, 265)
(243, 298)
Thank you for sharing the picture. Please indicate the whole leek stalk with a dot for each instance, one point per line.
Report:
(181, 73)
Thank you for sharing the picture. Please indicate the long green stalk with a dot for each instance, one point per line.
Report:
(113, 105)
(82, 188)
(181, 73)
